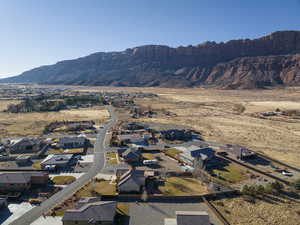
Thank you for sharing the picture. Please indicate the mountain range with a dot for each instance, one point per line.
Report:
(272, 60)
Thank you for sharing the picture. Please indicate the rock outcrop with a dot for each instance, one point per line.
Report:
(267, 61)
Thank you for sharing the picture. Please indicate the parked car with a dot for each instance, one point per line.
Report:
(287, 173)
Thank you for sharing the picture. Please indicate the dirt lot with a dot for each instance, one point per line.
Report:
(215, 113)
(21, 124)
(272, 212)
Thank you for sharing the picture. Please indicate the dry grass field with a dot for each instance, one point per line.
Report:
(5, 103)
(215, 114)
(21, 124)
(240, 212)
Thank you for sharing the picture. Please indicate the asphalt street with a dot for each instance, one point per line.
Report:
(99, 164)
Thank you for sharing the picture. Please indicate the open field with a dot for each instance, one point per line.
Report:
(272, 212)
(21, 124)
(5, 103)
(215, 113)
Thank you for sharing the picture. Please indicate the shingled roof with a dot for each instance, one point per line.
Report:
(92, 212)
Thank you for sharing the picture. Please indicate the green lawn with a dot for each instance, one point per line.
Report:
(55, 151)
(148, 156)
(97, 188)
(173, 152)
(37, 165)
(231, 173)
(63, 180)
(178, 186)
(112, 158)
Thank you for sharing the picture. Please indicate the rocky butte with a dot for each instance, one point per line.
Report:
(272, 60)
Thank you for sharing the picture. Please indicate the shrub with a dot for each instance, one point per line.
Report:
(296, 184)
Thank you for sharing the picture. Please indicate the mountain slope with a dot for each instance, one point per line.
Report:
(266, 61)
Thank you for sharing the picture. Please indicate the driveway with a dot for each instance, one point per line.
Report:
(13, 212)
(48, 220)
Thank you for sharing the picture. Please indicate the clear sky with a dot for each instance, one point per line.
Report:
(40, 32)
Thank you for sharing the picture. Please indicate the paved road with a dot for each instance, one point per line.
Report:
(99, 164)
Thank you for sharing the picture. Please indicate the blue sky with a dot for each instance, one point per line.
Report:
(41, 32)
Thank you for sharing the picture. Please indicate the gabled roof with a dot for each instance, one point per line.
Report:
(92, 212)
(28, 141)
(138, 176)
(18, 177)
(131, 153)
(192, 218)
(57, 159)
(195, 151)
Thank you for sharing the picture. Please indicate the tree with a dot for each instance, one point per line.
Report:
(277, 186)
(296, 184)
(260, 189)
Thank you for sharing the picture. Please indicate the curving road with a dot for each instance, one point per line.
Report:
(99, 164)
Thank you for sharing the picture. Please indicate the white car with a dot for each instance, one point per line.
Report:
(286, 173)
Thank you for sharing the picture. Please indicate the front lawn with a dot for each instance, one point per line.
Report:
(63, 180)
(178, 186)
(112, 158)
(37, 165)
(148, 156)
(231, 173)
(95, 189)
(173, 152)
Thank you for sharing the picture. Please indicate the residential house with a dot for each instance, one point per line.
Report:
(72, 142)
(132, 155)
(174, 134)
(195, 156)
(132, 181)
(23, 159)
(189, 218)
(25, 145)
(238, 151)
(21, 181)
(58, 161)
(132, 139)
(91, 211)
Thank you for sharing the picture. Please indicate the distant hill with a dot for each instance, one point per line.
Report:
(267, 61)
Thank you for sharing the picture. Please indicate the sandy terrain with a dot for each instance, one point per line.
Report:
(22, 124)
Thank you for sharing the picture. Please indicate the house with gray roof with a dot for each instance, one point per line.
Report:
(91, 211)
(238, 151)
(21, 181)
(189, 218)
(132, 155)
(59, 161)
(195, 156)
(25, 145)
(72, 142)
(132, 181)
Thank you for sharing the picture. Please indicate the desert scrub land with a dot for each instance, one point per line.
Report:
(226, 116)
(263, 212)
(21, 124)
(5, 103)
